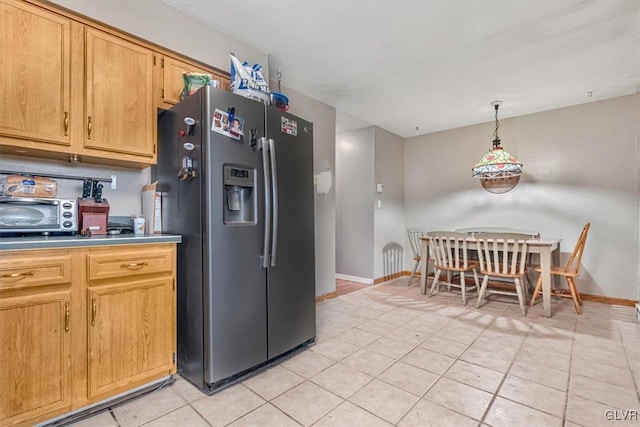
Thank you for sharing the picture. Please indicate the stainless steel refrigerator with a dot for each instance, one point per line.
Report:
(243, 203)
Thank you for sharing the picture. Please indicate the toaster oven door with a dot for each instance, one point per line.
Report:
(24, 215)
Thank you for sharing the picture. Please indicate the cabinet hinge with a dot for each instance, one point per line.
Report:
(154, 148)
(174, 284)
(174, 357)
(162, 62)
(162, 93)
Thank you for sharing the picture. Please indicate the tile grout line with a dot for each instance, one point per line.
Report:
(626, 356)
(495, 394)
(445, 371)
(566, 396)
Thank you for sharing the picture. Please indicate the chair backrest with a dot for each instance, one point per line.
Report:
(414, 240)
(573, 264)
(448, 248)
(502, 255)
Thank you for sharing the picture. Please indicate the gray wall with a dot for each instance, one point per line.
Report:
(389, 231)
(324, 156)
(123, 201)
(354, 202)
(580, 165)
(369, 236)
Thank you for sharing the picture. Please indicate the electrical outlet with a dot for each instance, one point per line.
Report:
(114, 183)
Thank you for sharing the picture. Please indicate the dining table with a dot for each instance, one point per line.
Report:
(548, 250)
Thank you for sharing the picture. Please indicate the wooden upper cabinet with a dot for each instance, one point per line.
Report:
(35, 356)
(120, 117)
(131, 337)
(172, 81)
(35, 74)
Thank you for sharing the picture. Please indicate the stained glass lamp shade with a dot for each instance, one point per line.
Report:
(498, 171)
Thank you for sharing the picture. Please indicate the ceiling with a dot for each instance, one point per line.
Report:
(414, 67)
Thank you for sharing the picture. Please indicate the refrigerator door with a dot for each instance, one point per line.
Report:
(291, 274)
(235, 333)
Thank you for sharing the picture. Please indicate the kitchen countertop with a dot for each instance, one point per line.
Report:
(46, 242)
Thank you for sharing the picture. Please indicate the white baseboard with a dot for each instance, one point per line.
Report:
(355, 279)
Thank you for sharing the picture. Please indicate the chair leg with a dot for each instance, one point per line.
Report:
(449, 278)
(475, 279)
(483, 288)
(525, 285)
(572, 288)
(520, 293)
(573, 282)
(537, 290)
(413, 272)
(435, 281)
(463, 288)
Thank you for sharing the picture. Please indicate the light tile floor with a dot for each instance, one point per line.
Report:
(387, 355)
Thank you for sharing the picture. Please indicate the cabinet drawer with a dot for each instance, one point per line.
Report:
(22, 270)
(128, 263)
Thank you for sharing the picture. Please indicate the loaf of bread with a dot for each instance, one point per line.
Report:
(29, 186)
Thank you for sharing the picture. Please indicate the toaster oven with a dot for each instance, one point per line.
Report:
(38, 215)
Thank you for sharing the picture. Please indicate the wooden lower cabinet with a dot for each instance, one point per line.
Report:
(35, 357)
(130, 335)
(68, 339)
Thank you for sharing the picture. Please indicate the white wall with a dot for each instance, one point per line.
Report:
(324, 154)
(354, 202)
(389, 230)
(580, 165)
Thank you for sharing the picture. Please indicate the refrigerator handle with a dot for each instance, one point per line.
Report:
(274, 183)
(264, 146)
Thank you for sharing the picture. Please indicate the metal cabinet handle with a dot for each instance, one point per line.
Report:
(66, 123)
(134, 265)
(17, 275)
(93, 311)
(67, 315)
(89, 128)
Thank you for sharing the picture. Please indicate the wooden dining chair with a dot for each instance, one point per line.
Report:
(450, 255)
(570, 271)
(528, 285)
(503, 257)
(416, 247)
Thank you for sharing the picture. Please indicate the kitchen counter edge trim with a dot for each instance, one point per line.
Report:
(46, 242)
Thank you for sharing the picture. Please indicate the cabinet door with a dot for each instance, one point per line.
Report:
(35, 57)
(119, 87)
(130, 335)
(173, 83)
(34, 356)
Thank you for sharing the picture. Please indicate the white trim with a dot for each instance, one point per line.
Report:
(355, 279)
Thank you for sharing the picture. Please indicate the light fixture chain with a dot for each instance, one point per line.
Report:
(495, 132)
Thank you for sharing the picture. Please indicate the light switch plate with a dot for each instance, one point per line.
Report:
(379, 188)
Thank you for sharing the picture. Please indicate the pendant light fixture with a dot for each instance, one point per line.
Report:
(498, 171)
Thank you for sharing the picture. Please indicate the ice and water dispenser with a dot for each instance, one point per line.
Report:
(239, 194)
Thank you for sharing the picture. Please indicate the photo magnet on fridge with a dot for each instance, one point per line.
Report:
(222, 125)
